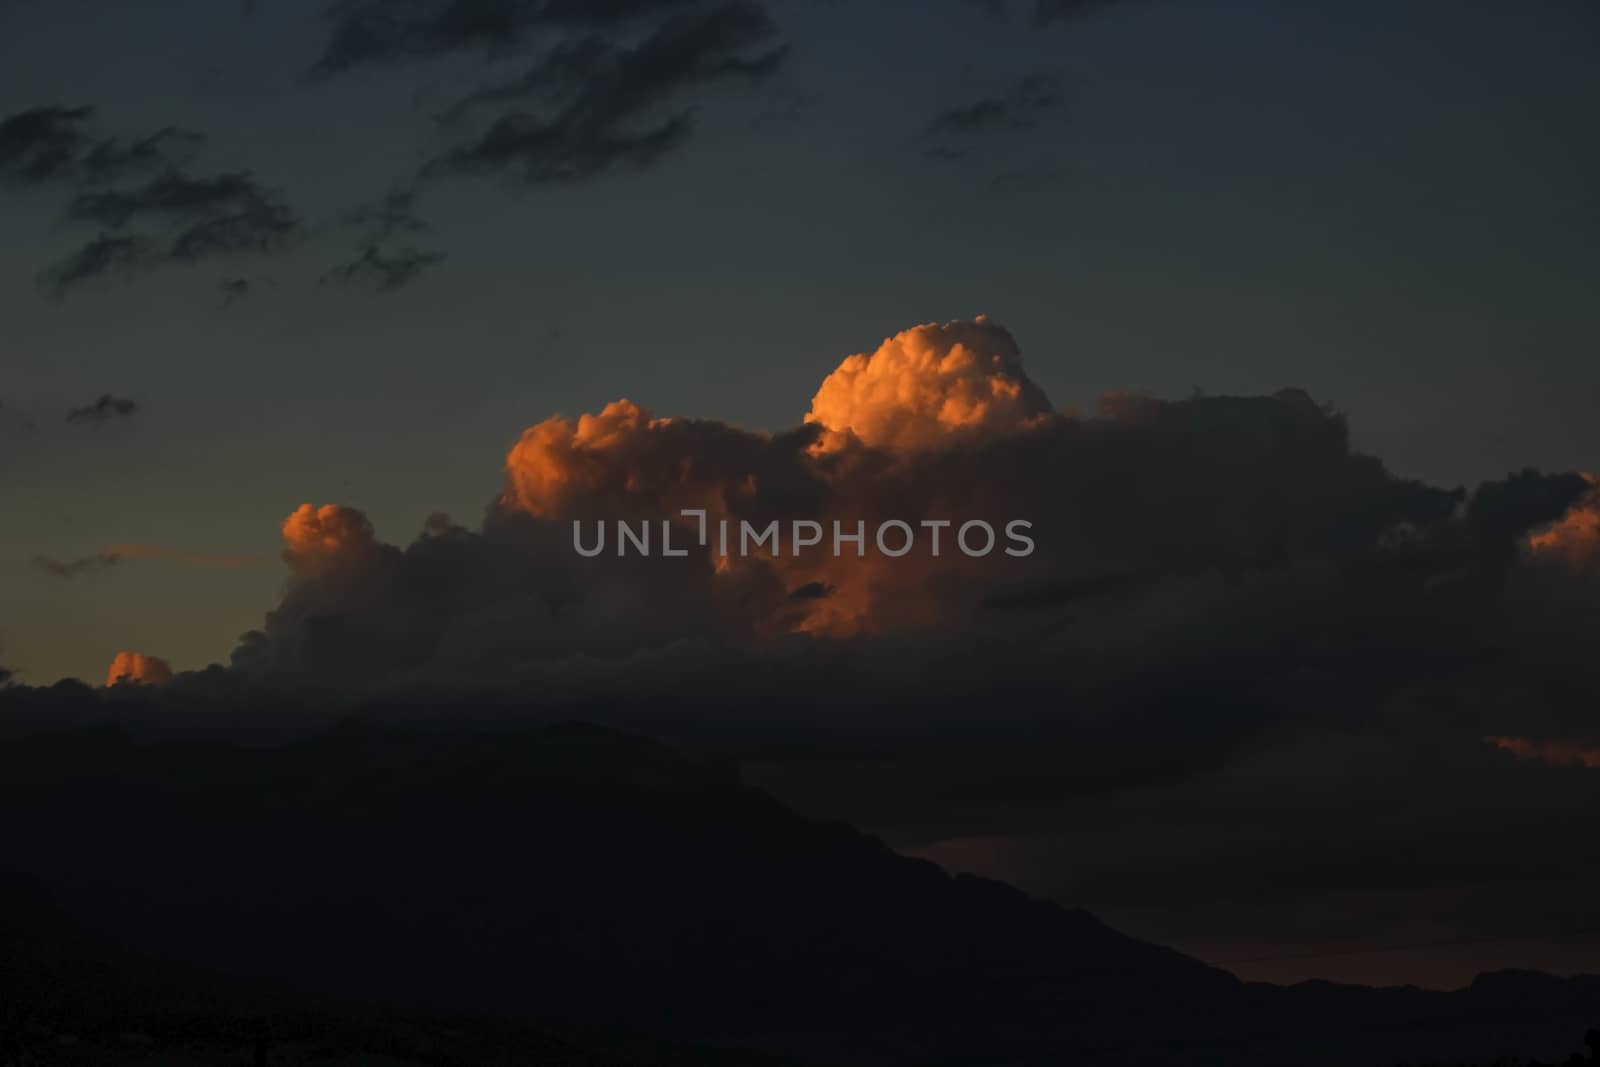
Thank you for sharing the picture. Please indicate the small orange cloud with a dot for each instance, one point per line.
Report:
(311, 532)
(139, 669)
(558, 460)
(1555, 753)
(1575, 540)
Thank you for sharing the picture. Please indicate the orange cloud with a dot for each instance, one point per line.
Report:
(1575, 540)
(924, 384)
(311, 533)
(139, 669)
(1555, 753)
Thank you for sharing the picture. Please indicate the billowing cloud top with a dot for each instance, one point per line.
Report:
(137, 668)
(927, 383)
(312, 534)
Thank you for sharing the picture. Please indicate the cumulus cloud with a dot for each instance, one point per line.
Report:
(135, 668)
(1160, 526)
(927, 385)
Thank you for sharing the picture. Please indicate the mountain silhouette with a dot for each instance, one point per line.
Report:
(574, 876)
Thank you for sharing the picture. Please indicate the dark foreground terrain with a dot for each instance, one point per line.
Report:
(570, 894)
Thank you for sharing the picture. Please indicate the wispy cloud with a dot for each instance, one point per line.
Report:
(118, 555)
(105, 409)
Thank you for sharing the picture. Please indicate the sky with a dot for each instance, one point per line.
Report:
(318, 324)
(1388, 208)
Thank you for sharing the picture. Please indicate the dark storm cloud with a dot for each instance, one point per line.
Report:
(385, 271)
(104, 409)
(67, 570)
(44, 143)
(610, 105)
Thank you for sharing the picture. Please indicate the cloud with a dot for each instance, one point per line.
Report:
(135, 668)
(1162, 528)
(606, 104)
(67, 570)
(114, 159)
(1574, 540)
(385, 271)
(233, 290)
(117, 555)
(393, 216)
(379, 33)
(954, 133)
(927, 384)
(179, 216)
(54, 144)
(43, 144)
(217, 213)
(1021, 107)
(106, 257)
(105, 409)
(198, 217)
(1554, 753)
